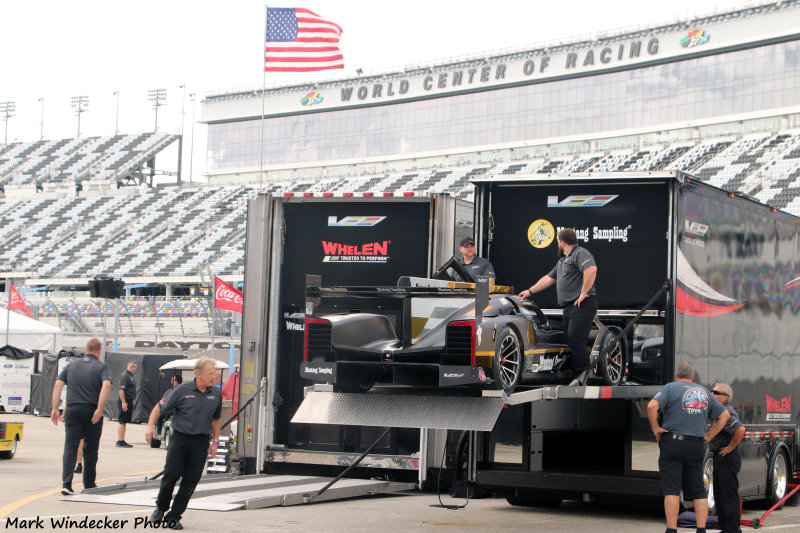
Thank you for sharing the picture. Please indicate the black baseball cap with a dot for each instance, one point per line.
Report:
(467, 240)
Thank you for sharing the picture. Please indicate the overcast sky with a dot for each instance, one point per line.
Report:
(54, 50)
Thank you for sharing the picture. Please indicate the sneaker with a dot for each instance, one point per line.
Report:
(78, 468)
(66, 490)
(174, 524)
(157, 515)
(123, 444)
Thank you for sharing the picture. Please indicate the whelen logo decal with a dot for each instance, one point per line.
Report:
(577, 200)
(695, 297)
(371, 252)
(779, 410)
(354, 221)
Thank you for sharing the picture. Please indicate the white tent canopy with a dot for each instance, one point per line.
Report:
(29, 334)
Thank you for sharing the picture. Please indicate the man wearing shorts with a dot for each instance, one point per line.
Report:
(127, 393)
(686, 408)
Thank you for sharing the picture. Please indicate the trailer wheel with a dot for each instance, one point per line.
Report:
(166, 438)
(532, 499)
(8, 454)
(507, 362)
(778, 478)
(708, 481)
(613, 365)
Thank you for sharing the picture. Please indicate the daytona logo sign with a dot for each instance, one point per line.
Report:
(227, 297)
(371, 252)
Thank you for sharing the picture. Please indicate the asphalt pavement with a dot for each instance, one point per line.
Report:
(30, 499)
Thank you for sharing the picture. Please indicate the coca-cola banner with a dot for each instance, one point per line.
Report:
(227, 297)
(17, 303)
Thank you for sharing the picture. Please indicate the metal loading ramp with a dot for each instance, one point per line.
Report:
(223, 493)
(390, 408)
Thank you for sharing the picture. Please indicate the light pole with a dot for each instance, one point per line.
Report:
(158, 97)
(116, 115)
(41, 120)
(180, 142)
(191, 143)
(7, 109)
(80, 103)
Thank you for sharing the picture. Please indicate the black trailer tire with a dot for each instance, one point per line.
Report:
(532, 499)
(507, 363)
(708, 481)
(8, 454)
(778, 477)
(614, 364)
(154, 442)
(167, 437)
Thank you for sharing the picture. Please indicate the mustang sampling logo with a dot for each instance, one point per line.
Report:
(350, 221)
(371, 252)
(541, 233)
(695, 38)
(311, 98)
(581, 200)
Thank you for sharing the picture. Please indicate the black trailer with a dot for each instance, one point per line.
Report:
(733, 267)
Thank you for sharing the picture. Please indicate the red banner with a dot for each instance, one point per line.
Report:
(18, 304)
(226, 296)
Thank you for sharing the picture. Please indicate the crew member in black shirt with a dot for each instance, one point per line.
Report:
(127, 393)
(196, 420)
(477, 266)
(88, 382)
(727, 464)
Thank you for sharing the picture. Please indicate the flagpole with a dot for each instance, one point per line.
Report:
(263, 91)
(8, 310)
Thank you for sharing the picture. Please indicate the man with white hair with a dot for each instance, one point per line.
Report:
(727, 464)
(196, 423)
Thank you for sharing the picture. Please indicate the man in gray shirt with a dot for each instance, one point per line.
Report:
(686, 407)
(88, 382)
(727, 464)
(475, 265)
(574, 276)
(196, 420)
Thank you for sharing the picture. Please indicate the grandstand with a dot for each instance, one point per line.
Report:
(725, 109)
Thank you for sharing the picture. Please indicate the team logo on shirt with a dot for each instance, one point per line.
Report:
(541, 233)
(695, 401)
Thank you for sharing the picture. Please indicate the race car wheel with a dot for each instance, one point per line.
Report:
(353, 386)
(507, 360)
(613, 365)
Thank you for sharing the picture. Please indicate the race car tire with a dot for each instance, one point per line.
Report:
(507, 363)
(613, 365)
(356, 387)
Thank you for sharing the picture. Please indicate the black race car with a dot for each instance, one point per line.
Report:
(512, 341)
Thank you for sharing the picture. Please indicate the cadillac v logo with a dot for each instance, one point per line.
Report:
(354, 221)
(578, 200)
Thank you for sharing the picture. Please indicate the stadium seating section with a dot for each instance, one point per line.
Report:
(165, 232)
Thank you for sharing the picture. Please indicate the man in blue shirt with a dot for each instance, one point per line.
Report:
(686, 407)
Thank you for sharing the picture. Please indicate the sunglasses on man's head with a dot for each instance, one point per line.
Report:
(718, 393)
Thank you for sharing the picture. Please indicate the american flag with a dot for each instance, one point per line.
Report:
(299, 40)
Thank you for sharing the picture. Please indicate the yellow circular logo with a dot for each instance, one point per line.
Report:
(541, 233)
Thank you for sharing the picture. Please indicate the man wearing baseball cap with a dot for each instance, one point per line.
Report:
(477, 266)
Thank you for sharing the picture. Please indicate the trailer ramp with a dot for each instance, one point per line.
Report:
(401, 408)
(224, 493)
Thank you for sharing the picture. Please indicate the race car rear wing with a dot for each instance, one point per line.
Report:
(406, 289)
